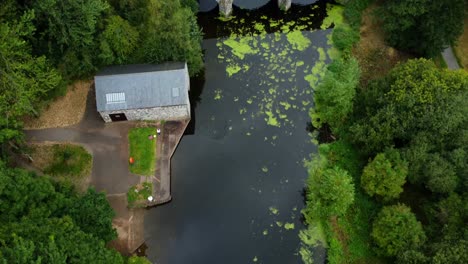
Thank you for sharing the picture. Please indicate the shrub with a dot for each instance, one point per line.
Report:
(396, 230)
(385, 175)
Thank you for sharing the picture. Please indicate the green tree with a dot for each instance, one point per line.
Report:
(93, 215)
(68, 33)
(385, 175)
(423, 111)
(396, 230)
(44, 222)
(334, 95)
(171, 34)
(25, 80)
(425, 26)
(118, 41)
(455, 252)
(330, 191)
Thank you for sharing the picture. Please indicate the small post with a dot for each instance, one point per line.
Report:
(284, 4)
(225, 7)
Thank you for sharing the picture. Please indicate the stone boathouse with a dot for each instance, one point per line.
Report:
(143, 92)
(157, 93)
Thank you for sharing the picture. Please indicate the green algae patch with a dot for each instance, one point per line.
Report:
(232, 69)
(298, 41)
(265, 232)
(286, 105)
(260, 27)
(239, 48)
(334, 16)
(299, 63)
(273, 210)
(255, 259)
(279, 223)
(265, 169)
(322, 54)
(272, 121)
(218, 94)
(289, 226)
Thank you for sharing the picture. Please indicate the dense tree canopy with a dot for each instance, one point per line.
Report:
(396, 230)
(422, 111)
(25, 80)
(334, 95)
(43, 222)
(385, 175)
(330, 190)
(425, 27)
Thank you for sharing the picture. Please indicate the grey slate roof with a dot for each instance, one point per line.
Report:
(144, 86)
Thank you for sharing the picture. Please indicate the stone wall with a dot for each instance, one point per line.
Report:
(284, 4)
(178, 112)
(225, 7)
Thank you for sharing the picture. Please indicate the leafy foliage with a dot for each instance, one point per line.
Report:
(93, 215)
(425, 27)
(46, 223)
(396, 229)
(334, 95)
(422, 110)
(330, 191)
(70, 160)
(171, 34)
(67, 33)
(385, 175)
(25, 80)
(344, 37)
(119, 41)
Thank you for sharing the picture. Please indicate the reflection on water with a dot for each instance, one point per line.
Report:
(237, 181)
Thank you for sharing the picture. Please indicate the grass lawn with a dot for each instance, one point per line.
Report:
(461, 49)
(63, 162)
(142, 150)
(137, 195)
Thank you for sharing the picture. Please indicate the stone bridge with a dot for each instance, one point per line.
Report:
(225, 6)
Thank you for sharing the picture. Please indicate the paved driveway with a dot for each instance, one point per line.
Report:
(108, 144)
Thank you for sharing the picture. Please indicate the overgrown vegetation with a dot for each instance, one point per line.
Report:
(406, 126)
(424, 27)
(142, 146)
(43, 221)
(69, 161)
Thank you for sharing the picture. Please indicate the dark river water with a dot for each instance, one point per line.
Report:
(237, 181)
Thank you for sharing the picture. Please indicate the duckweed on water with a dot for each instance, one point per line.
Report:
(218, 94)
(297, 40)
(279, 224)
(265, 169)
(273, 210)
(279, 61)
(240, 48)
(289, 226)
(265, 232)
